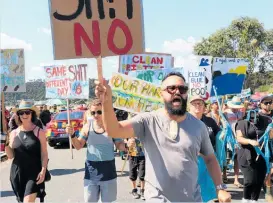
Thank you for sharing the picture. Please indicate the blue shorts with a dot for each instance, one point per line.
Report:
(104, 190)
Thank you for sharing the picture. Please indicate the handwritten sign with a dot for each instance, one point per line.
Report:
(204, 62)
(154, 76)
(69, 82)
(245, 93)
(88, 29)
(134, 95)
(228, 75)
(146, 61)
(12, 70)
(197, 82)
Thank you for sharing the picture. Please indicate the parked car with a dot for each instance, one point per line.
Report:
(3, 141)
(55, 129)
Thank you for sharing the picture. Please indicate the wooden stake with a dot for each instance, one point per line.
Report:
(99, 68)
(68, 119)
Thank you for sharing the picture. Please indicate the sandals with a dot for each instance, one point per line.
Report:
(239, 185)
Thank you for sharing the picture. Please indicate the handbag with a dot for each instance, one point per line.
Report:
(47, 173)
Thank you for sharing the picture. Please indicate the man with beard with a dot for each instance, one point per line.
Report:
(172, 140)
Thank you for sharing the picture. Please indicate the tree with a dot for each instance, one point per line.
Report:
(243, 38)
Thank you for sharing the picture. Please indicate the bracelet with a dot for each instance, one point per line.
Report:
(73, 135)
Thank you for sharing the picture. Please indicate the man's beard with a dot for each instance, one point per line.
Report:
(180, 111)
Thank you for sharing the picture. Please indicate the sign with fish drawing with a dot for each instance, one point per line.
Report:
(12, 70)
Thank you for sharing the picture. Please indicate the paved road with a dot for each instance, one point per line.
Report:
(67, 179)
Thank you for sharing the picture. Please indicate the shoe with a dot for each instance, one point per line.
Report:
(142, 194)
(135, 194)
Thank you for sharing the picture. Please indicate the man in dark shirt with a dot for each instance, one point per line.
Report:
(265, 118)
(197, 109)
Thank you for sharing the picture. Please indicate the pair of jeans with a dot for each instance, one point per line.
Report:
(104, 190)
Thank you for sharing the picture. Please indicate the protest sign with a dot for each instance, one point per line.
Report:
(245, 93)
(67, 82)
(197, 83)
(154, 76)
(204, 62)
(147, 61)
(12, 70)
(88, 29)
(134, 95)
(228, 75)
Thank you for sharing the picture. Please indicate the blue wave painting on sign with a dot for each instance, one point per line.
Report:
(228, 75)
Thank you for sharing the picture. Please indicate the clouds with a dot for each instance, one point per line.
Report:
(44, 30)
(9, 42)
(182, 50)
(179, 46)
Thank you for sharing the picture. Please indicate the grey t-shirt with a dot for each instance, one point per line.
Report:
(171, 165)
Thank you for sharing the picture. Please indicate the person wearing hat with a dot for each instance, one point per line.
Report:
(27, 147)
(197, 109)
(265, 117)
(233, 114)
(266, 103)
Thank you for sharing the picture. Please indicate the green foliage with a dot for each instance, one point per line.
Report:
(243, 38)
(264, 88)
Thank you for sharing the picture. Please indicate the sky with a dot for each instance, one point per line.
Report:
(170, 26)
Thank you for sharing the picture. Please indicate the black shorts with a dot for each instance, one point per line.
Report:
(137, 167)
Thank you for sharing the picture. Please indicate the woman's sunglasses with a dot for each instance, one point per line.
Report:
(173, 88)
(27, 112)
(99, 112)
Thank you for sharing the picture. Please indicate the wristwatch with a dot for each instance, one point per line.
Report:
(221, 187)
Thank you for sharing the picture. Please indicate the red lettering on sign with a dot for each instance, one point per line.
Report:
(79, 33)
(95, 45)
(111, 34)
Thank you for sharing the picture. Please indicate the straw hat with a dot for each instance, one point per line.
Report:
(235, 103)
(24, 105)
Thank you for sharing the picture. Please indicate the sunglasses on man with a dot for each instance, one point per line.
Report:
(267, 103)
(27, 112)
(173, 88)
(93, 113)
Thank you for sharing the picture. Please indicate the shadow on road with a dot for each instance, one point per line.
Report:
(6, 193)
(60, 172)
(64, 146)
(125, 173)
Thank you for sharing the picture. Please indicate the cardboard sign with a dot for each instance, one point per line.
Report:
(205, 65)
(67, 82)
(147, 61)
(228, 75)
(134, 95)
(154, 76)
(88, 29)
(12, 70)
(245, 93)
(197, 83)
